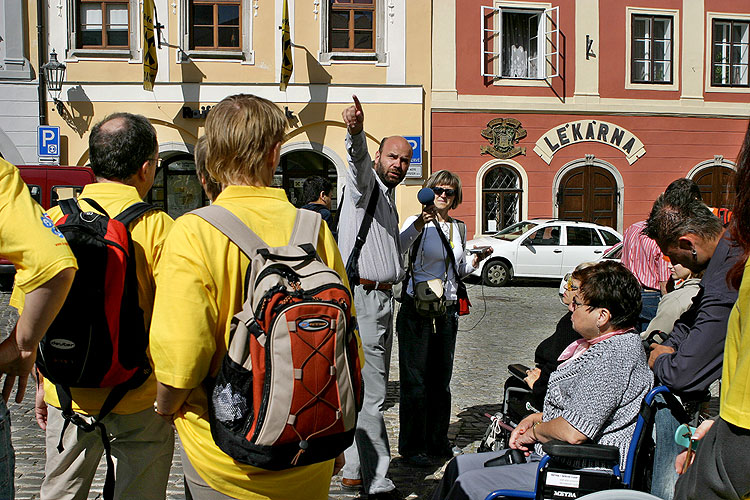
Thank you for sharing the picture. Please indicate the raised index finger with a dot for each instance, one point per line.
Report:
(357, 104)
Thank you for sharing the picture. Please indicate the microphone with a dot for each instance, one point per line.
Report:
(426, 196)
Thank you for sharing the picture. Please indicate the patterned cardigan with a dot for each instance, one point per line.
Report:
(600, 393)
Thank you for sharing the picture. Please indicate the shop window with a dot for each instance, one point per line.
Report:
(501, 199)
(176, 188)
(520, 43)
(103, 28)
(215, 25)
(651, 49)
(352, 30)
(296, 166)
(729, 61)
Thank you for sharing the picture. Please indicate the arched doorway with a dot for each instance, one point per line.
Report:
(176, 188)
(298, 165)
(716, 186)
(588, 193)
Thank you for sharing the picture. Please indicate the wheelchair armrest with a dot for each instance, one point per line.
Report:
(598, 452)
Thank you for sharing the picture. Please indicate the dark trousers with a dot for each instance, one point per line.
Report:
(650, 300)
(425, 351)
(721, 466)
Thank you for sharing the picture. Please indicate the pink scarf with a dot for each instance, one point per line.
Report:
(578, 347)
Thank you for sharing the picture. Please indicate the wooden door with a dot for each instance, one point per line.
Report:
(588, 193)
(716, 186)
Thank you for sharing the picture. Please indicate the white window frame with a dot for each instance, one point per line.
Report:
(548, 42)
(244, 53)
(379, 57)
(676, 35)
(710, 17)
(132, 53)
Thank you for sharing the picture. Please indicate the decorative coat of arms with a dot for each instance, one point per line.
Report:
(504, 134)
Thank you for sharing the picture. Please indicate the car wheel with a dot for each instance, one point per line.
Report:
(496, 273)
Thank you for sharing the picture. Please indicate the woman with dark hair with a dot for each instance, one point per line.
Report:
(721, 461)
(594, 395)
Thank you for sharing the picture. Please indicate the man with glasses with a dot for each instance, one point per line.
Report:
(124, 153)
(370, 245)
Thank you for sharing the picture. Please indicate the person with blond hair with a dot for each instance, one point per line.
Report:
(200, 286)
(210, 186)
(427, 341)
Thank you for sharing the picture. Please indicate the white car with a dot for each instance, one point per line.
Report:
(614, 253)
(541, 248)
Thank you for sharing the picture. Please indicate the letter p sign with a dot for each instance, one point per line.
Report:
(48, 140)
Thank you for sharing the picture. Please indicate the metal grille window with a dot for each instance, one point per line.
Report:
(729, 66)
(519, 43)
(103, 24)
(651, 49)
(215, 25)
(501, 199)
(351, 26)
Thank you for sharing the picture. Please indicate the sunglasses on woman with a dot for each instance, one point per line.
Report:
(448, 192)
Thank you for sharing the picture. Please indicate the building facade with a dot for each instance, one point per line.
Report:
(587, 109)
(19, 83)
(209, 49)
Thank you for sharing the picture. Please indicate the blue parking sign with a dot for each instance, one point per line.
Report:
(415, 141)
(48, 140)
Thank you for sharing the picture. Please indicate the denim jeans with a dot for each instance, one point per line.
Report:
(664, 475)
(425, 351)
(650, 300)
(7, 455)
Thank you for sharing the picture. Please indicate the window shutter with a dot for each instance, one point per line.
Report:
(491, 41)
(552, 42)
(72, 24)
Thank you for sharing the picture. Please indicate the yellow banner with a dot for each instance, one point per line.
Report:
(150, 64)
(286, 49)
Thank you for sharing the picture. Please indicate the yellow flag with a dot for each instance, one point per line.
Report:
(150, 64)
(286, 49)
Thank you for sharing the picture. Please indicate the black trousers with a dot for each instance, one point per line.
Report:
(721, 468)
(425, 351)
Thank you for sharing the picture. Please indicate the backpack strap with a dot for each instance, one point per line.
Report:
(94, 204)
(233, 228)
(306, 228)
(352, 263)
(461, 231)
(69, 206)
(134, 212)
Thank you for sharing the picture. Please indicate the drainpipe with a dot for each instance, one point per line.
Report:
(41, 52)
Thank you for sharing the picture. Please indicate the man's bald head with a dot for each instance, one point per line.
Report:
(120, 144)
(392, 160)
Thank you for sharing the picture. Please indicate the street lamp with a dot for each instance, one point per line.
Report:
(54, 76)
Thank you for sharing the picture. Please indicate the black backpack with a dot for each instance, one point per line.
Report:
(98, 338)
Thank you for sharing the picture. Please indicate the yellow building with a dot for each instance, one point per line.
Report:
(209, 49)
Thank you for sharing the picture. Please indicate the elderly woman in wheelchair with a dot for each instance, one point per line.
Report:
(594, 395)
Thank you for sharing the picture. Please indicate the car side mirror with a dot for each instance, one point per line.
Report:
(527, 243)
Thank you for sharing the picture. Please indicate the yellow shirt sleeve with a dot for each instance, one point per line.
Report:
(735, 377)
(29, 238)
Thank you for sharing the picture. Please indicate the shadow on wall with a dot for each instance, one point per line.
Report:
(319, 78)
(78, 111)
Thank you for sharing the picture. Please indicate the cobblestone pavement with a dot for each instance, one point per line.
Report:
(504, 327)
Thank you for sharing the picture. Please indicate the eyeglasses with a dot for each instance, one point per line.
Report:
(157, 160)
(448, 192)
(569, 285)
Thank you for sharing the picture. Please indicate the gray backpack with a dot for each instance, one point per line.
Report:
(289, 388)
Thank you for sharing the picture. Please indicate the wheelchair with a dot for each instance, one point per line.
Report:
(572, 471)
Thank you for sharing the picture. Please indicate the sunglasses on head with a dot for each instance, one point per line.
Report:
(448, 192)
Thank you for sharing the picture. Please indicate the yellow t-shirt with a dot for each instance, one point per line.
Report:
(28, 238)
(200, 284)
(148, 234)
(735, 376)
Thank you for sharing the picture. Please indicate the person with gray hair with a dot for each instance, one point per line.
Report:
(691, 358)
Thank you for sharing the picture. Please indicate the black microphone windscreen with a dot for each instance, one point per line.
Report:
(426, 196)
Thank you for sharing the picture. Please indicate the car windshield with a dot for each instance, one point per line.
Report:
(510, 233)
(613, 253)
